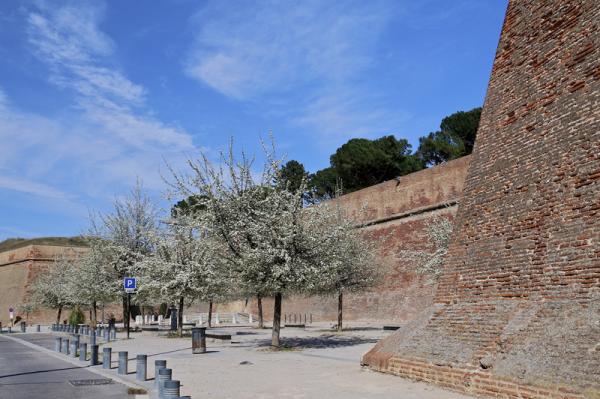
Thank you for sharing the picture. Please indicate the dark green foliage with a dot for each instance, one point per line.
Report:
(188, 206)
(362, 163)
(76, 317)
(455, 138)
(324, 184)
(292, 174)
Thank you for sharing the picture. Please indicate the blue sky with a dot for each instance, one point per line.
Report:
(94, 95)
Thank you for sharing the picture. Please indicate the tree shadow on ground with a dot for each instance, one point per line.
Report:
(324, 341)
(347, 329)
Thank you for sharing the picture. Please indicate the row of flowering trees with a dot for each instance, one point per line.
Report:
(236, 234)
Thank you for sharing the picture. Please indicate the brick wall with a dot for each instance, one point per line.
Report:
(519, 299)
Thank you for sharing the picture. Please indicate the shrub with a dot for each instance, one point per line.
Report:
(76, 317)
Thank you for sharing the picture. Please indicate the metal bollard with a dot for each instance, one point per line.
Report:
(158, 365)
(94, 355)
(83, 351)
(93, 338)
(38, 328)
(171, 389)
(164, 375)
(123, 362)
(65, 344)
(9, 329)
(106, 335)
(57, 344)
(106, 357)
(23, 326)
(74, 346)
(198, 340)
(140, 367)
(114, 333)
(77, 339)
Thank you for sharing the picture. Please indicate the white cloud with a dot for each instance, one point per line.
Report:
(105, 142)
(31, 187)
(68, 40)
(304, 60)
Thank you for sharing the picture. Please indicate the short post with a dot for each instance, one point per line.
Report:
(94, 355)
(217, 321)
(38, 328)
(198, 340)
(9, 329)
(114, 333)
(83, 351)
(57, 344)
(74, 345)
(123, 362)
(250, 318)
(65, 343)
(106, 357)
(234, 318)
(158, 365)
(171, 390)
(107, 334)
(92, 338)
(140, 367)
(23, 326)
(164, 375)
(77, 339)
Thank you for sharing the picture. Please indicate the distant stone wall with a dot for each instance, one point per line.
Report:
(18, 268)
(517, 310)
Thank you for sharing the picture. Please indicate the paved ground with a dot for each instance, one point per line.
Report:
(317, 363)
(26, 373)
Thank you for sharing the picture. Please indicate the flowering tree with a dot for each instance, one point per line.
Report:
(272, 245)
(349, 260)
(128, 234)
(94, 280)
(430, 260)
(52, 288)
(184, 267)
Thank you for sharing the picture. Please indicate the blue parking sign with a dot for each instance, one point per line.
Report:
(129, 283)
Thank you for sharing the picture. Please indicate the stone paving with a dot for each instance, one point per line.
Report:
(315, 363)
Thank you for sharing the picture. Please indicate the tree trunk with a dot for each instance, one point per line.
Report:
(209, 314)
(276, 321)
(340, 313)
(261, 322)
(94, 314)
(180, 318)
(58, 315)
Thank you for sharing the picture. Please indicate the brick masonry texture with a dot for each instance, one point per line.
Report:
(517, 309)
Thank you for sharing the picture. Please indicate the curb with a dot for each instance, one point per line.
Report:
(94, 369)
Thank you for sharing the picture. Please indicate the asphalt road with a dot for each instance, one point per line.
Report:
(26, 373)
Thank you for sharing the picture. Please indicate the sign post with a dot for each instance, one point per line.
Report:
(130, 285)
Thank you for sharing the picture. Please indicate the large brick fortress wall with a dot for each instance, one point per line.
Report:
(398, 210)
(517, 310)
(18, 268)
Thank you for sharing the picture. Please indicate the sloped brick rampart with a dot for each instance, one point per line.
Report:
(519, 299)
